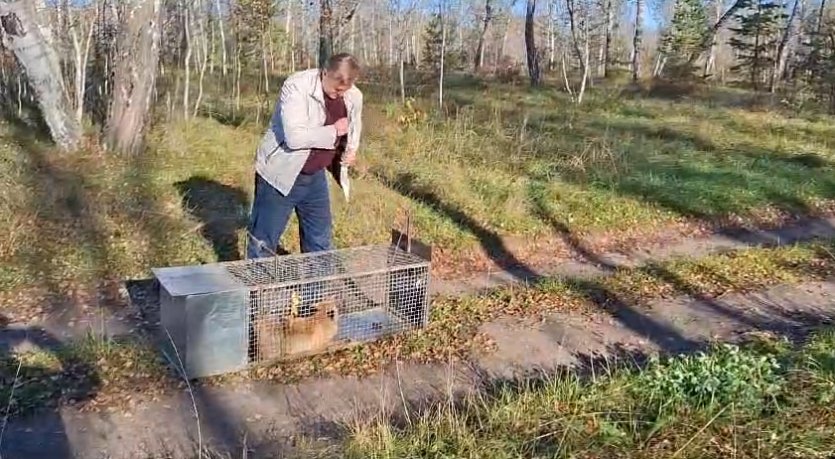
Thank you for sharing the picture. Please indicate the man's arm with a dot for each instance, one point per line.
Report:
(298, 133)
(355, 127)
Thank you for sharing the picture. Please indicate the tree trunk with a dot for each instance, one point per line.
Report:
(391, 37)
(353, 42)
(819, 21)
(552, 36)
(799, 36)
(783, 48)
(500, 54)
(607, 41)
(755, 65)
(636, 41)
(402, 81)
(325, 32)
(710, 62)
(223, 57)
(364, 44)
(586, 54)
(711, 35)
(22, 35)
(201, 31)
(488, 16)
(443, 53)
(329, 25)
(82, 55)
(572, 23)
(187, 59)
(135, 77)
(534, 72)
(375, 50)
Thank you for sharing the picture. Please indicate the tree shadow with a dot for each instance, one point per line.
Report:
(220, 208)
(792, 321)
(230, 119)
(664, 336)
(576, 244)
(23, 380)
(490, 241)
(741, 179)
(695, 92)
(60, 192)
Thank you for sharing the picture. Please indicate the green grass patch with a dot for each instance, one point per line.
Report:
(755, 401)
(505, 161)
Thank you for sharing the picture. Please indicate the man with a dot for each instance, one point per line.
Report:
(316, 127)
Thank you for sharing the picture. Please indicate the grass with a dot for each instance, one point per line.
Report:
(763, 400)
(117, 374)
(505, 164)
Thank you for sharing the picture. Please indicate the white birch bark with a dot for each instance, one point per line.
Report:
(22, 35)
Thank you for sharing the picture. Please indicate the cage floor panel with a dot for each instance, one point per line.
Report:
(367, 325)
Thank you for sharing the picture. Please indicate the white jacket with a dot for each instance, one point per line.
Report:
(297, 126)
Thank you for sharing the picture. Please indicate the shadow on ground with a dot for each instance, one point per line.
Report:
(221, 209)
(20, 380)
(703, 179)
(66, 198)
(490, 241)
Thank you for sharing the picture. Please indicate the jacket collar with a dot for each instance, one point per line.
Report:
(317, 92)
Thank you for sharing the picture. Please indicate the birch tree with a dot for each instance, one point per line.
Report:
(637, 37)
(784, 49)
(485, 24)
(23, 36)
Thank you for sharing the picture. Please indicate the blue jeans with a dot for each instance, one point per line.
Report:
(271, 211)
(310, 199)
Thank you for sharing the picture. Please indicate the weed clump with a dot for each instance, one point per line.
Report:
(707, 380)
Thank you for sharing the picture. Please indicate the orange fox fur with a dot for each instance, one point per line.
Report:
(296, 335)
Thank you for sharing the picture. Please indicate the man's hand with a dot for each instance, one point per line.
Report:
(341, 126)
(349, 157)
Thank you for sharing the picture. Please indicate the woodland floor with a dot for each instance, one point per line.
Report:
(634, 224)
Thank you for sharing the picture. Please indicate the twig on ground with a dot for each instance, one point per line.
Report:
(9, 405)
(181, 368)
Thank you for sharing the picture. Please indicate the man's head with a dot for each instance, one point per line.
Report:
(339, 74)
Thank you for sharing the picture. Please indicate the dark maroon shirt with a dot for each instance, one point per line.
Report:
(320, 159)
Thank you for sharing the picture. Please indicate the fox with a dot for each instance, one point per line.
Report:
(297, 335)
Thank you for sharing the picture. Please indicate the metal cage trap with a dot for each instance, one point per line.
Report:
(222, 317)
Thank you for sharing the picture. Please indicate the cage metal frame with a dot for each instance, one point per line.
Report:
(270, 309)
(415, 256)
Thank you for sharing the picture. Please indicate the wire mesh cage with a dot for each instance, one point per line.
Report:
(226, 316)
(304, 304)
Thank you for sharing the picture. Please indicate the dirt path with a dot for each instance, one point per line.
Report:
(107, 315)
(273, 416)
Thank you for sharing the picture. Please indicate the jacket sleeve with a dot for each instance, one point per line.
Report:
(355, 123)
(298, 133)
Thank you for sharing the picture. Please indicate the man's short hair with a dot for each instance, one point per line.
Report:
(343, 67)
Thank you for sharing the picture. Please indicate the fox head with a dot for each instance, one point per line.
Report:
(326, 310)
